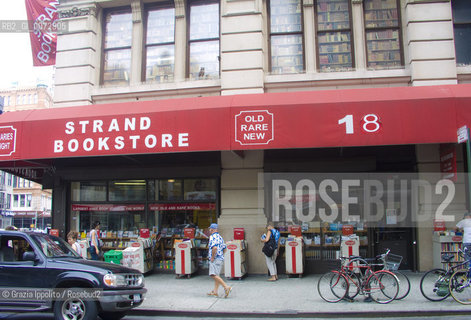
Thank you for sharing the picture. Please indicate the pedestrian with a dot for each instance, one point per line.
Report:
(216, 248)
(72, 237)
(465, 225)
(95, 241)
(271, 261)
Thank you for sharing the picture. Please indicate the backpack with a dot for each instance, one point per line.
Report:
(269, 247)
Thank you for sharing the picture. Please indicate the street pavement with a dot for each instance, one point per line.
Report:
(285, 298)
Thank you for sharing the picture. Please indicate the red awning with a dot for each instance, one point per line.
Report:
(308, 119)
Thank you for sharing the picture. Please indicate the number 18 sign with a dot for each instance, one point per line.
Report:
(370, 123)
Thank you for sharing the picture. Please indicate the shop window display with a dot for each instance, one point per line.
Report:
(89, 191)
(127, 190)
(170, 190)
(165, 207)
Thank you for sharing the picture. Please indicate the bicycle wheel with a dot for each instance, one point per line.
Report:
(354, 284)
(434, 285)
(404, 285)
(382, 286)
(460, 287)
(332, 286)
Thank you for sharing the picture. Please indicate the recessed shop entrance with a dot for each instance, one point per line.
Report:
(347, 171)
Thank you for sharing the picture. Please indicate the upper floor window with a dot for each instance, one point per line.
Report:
(462, 30)
(204, 40)
(286, 36)
(334, 35)
(22, 200)
(160, 44)
(8, 201)
(117, 47)
(383, 34)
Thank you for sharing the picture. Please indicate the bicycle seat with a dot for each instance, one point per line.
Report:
(447, 257)
(354, 257)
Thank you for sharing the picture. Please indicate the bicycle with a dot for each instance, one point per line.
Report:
(390, 262)
(460, 284)
(435, 284)
(382, 285)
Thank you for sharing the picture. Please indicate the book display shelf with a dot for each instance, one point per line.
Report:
(286, 36)
(446, 245)
(334, 35)
(382, 34)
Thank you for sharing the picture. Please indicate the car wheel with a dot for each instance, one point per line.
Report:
(112, 315)
(75, 309)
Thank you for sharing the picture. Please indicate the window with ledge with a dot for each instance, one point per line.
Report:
(383, 34)
(160, 44)
(334, 35)
(286, 36)
(22, 200)
(117, 47)
(462, 30)
(203, 41)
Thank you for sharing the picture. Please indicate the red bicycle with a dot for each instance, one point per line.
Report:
(382, 286)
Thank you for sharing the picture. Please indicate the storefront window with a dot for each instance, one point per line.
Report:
(129, 205)
(200, 189)
(89, 191)
(127, 190)
(170, 190)
(113, 220)
(172, 219)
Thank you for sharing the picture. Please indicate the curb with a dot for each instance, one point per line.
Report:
(289, 314)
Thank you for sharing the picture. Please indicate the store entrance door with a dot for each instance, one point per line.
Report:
(401, 241)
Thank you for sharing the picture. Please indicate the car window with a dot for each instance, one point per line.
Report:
(12, 248)
(53, 247)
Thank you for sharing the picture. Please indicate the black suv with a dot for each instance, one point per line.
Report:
(40, 272)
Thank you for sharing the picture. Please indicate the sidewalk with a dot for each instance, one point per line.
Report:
(287, 296)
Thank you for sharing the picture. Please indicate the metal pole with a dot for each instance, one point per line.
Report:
(468, 164)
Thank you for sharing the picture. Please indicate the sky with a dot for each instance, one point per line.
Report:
(16, 62)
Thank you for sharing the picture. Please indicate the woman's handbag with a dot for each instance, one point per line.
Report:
(269, 246)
